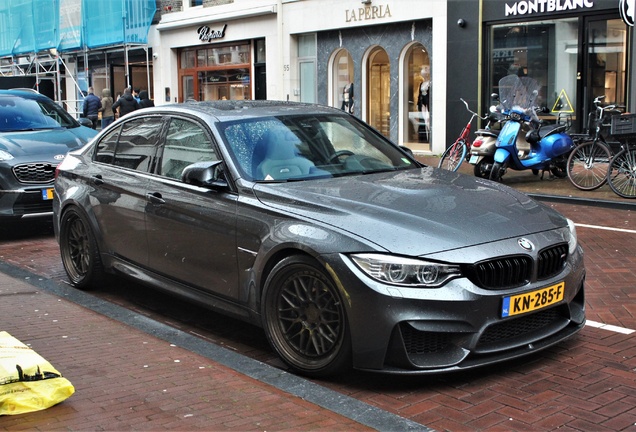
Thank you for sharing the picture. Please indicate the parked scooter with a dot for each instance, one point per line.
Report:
(482, 153)
(524, 142)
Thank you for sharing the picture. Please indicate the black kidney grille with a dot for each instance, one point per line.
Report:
(35, 173)
(503, 272)
(552, 260)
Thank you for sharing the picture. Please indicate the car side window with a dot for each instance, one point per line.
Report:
(186, 143)
(105, 151)
(133, 145)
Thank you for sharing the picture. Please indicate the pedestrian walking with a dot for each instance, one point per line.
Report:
(126, 103)
(92, 104)
(108, 116)
(144, 100)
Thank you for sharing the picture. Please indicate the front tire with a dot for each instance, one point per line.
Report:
(304, 318)
(454, 156)
(588, 164)
(497, 172)
(621, 175)
(79, 251)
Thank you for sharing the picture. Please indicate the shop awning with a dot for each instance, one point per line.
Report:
(32, 26)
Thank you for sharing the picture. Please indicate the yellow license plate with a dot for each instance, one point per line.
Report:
(531, 301)
(47, 194)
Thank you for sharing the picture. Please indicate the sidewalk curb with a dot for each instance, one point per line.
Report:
(331, 400)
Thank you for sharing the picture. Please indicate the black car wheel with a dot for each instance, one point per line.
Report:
(80, 255)
(304, 318)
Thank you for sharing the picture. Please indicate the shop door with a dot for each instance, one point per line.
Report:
(379, 91)
(604, 64)
(187, 87)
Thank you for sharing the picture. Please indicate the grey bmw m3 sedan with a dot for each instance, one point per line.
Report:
(304, 220)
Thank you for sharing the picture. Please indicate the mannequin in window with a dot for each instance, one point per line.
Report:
(347, 98)
(423, 101)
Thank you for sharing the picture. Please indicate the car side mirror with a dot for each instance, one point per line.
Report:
(407, 150)
(86, 122)
(207, 174)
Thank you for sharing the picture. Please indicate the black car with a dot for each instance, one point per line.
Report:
(35, 135)
(304, 220)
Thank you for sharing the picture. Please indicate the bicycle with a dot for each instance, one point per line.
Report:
(589, 161)
(455, 155)
(621, 174)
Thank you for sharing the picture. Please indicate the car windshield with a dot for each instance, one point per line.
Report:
(299, 147)
(22, 114)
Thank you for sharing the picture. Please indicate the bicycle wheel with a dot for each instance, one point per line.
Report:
(621, 175)
(454, 156)
(587, 165)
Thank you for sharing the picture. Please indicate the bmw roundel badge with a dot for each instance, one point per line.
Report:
(525, 244)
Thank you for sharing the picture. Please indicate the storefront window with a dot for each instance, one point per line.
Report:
(549, 52)
(307, 67)
(343, 80)
(216, 72)
(418, 79)
(379, 91)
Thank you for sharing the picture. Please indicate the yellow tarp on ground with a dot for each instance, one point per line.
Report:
(27, 381)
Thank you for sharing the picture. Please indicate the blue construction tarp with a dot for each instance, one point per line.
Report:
(31, 26)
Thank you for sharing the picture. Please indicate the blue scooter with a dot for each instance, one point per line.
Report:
(523, 142)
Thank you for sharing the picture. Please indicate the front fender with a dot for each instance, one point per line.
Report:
(501, 155)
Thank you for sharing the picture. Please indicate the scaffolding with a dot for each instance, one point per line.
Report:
(38, 35)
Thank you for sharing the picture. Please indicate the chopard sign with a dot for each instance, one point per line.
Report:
(206, 34)
(368, 13)
(528, 7)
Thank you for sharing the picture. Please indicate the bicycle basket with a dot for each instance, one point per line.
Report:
(624, 126)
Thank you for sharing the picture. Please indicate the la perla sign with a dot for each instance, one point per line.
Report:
(367, 13)
(206, 34)
(528, 7)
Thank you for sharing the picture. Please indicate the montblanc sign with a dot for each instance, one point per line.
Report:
(206, 34)
(529, 7)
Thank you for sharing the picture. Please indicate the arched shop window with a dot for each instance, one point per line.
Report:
(342, 79)
(379, 90)
(417, 67)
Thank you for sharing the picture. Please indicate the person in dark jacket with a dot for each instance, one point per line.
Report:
(92, 105)
(126, 103)
(144, 101)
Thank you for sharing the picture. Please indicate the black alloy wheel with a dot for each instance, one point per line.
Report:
(304, 318)
(78, 248)
(497, 172)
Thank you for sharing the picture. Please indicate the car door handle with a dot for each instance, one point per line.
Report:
(97, 179)
(155, 198)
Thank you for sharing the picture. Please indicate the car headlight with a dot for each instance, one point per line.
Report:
(405, 271)
(572, 240)
(5, 156)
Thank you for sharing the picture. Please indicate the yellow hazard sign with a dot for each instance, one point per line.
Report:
(562, 103)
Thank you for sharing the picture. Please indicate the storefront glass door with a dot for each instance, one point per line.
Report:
(379, 91)
(605, 62)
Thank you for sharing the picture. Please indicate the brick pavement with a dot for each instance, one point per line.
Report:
(128, 379)
(584, 384)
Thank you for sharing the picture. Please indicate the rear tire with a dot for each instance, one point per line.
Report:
(588, 164)
(79, 251)
(621, 175)
(483, 168)
(454, 156)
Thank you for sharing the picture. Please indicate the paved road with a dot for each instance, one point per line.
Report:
(587, 383)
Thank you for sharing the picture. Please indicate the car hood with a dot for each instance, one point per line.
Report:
(415, 212)
(44, 143)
